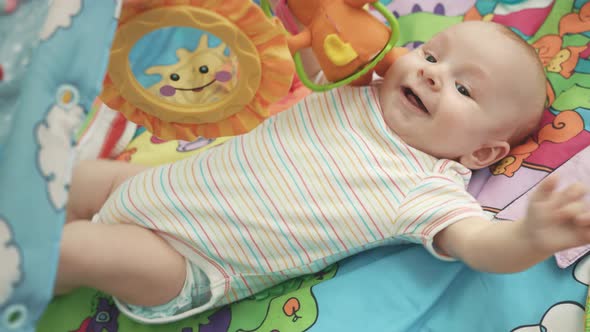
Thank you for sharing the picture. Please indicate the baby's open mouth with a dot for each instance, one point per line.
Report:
(414, 99)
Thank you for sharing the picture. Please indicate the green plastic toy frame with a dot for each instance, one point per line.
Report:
(393, 38)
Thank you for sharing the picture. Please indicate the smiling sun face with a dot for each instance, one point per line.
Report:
(203, 76)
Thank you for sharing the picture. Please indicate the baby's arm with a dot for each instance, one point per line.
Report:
(555, 221)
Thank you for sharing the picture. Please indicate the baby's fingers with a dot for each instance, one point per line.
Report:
(571, 211)
(545, 189)
(583, 219)
(572, 193)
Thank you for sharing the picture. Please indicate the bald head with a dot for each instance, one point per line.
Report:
(522, 88)
(537, 86)
(481, 87)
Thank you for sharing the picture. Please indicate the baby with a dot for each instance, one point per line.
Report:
(342, 172)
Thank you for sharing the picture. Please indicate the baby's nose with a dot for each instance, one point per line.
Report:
(430, 78)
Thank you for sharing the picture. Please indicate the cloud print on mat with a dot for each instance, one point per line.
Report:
(10, 272)
(54, 136)
(59, 16)
(561, 317)
(582, 271)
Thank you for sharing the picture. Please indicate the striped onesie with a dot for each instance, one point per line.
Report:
(308, 187)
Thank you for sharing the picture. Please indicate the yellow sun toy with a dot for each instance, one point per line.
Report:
(223, 86)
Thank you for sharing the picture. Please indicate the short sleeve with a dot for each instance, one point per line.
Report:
(436, 202)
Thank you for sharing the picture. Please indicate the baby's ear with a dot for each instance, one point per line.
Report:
(486, 155)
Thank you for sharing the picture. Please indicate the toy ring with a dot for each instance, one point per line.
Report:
(204, 92)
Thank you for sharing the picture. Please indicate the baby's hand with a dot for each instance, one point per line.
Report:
(557, 220)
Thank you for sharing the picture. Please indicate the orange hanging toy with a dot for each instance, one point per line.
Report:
(345, 38)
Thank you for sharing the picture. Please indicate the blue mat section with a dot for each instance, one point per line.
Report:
(51, 73)
(406, 289)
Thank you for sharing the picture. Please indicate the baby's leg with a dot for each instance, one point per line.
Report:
(127, 261)
(92, 183)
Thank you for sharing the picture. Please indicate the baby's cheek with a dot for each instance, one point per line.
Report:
(453, 117)
(462, 126)
(387, 115)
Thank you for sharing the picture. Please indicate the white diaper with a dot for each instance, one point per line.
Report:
(194, 293)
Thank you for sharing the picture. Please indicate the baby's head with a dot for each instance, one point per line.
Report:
(468, 94)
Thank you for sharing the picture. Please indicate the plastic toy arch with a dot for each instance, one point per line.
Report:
(246, 31)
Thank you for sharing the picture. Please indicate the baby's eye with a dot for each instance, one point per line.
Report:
(462, 90)
(203, 69)
(174, 77)
(430, 58)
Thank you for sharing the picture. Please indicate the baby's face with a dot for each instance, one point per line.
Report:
(458, 92)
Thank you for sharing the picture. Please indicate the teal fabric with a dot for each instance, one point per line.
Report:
(390, 289)
(52, 69)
